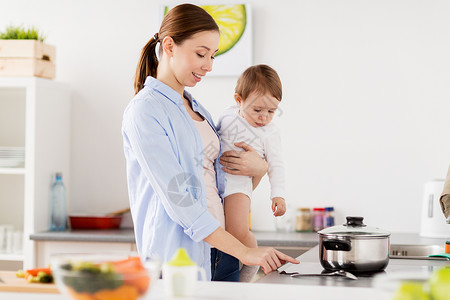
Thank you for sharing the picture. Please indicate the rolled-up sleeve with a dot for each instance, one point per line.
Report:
(156, 150)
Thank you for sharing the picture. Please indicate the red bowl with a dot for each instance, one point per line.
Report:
(94, 222)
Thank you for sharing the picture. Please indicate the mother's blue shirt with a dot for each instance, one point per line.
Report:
(164, 155)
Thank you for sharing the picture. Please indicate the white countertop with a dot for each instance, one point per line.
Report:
(269, 287)
(230, 290)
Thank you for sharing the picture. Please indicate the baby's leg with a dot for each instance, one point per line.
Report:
(237, 208)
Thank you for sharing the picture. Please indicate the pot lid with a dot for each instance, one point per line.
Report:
(355, 227)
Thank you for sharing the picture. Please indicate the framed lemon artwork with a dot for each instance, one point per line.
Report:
(235, 46)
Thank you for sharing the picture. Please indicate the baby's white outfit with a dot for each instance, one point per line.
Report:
(265, 140)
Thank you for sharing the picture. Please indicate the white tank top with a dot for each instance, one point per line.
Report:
(211, 147)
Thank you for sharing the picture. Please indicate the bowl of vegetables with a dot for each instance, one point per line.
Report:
(105, 276)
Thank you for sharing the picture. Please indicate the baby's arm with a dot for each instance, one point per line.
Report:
(273, 154)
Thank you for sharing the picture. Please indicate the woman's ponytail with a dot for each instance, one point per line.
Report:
(147, 65)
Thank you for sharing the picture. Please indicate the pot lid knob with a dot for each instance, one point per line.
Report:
(355, 221)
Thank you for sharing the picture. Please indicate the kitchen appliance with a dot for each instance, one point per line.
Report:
(433, 222)
(354, 247)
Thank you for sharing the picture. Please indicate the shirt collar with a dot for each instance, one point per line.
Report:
(167, 91)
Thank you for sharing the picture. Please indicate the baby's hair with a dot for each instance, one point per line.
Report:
(261, 79)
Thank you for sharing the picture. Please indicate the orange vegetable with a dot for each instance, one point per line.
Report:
(80, 296)
(134, 273)
(125, 265)
(34, 272)
(124, 292)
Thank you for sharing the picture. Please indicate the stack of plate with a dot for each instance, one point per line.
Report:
(11, 157)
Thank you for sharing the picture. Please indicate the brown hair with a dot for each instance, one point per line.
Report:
(261, 79)
(180, 23)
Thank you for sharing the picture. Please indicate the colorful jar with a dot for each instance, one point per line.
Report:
(318, 213)
(328, 218)
(304, 220)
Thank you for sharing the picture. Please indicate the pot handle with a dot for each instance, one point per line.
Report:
(337, 245)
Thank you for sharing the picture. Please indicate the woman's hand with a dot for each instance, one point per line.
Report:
(269, 259)
(247, 162)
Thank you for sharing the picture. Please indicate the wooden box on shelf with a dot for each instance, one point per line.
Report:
(27, 58)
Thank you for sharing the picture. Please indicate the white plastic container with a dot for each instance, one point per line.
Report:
(433, 222)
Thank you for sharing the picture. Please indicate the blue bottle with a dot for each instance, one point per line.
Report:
(58, 205)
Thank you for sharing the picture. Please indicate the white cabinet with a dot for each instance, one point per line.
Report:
(45, 249)
(34, 114)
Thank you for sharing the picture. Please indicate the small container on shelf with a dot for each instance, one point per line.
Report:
(328, 218)
(286, 222)
(318, 213)
(304, 220)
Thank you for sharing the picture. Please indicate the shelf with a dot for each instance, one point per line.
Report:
(11, 257)
(34, 114)
(19, 171)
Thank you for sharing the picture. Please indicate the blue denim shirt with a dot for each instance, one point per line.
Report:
(164, 155)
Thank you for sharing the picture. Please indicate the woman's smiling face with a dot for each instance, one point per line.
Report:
(194, 58)
(258, 110)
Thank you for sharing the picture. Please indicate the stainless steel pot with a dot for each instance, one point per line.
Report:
(354, 247)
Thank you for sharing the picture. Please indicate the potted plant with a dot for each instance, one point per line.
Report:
(24, 53)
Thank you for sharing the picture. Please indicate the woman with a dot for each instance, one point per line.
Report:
(164, 143)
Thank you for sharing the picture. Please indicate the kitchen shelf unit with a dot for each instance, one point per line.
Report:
(34, 114)
(12, 257)
(12, 171)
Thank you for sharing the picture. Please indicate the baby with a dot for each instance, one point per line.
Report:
(257, 94)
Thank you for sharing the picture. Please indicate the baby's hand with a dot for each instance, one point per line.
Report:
(278, 206)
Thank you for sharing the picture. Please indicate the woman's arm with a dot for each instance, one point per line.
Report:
(247, 162)
(269, 259)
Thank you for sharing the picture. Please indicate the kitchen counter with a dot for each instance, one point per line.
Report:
(122, 240)
(273, 285)
(126, 235)
(310, 264)
(231, 290)
(264, 238)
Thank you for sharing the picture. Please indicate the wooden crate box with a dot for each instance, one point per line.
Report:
(27, 58)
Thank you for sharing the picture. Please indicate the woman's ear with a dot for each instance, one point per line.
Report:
(238, 99)
(167, 45)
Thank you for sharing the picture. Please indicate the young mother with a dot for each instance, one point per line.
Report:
(171, 147)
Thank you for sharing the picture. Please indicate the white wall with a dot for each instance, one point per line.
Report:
(365, 114)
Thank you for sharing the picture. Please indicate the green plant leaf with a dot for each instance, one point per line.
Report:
(21, 33)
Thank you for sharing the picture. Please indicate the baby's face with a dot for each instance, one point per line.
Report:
(258, 110)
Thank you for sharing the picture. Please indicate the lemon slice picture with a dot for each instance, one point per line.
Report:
(231, 19)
